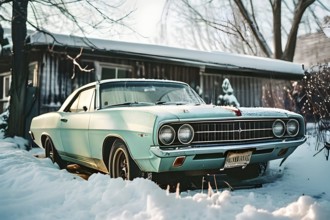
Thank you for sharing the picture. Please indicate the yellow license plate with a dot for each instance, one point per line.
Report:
(237, 159)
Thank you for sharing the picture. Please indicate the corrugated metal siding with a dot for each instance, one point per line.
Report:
(249, 91)
(56, 83)
(155, 70)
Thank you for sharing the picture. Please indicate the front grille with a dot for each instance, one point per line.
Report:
(232, 131)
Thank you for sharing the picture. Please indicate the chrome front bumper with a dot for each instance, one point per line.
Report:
(223, 149)
(195, 160)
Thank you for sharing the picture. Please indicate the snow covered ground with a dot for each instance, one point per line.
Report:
(34, 188)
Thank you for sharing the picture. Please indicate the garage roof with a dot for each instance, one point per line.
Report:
(217, 60)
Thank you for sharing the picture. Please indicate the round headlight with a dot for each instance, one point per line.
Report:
(185, 134)
(278, 128)
(166, 135)
(292, 127)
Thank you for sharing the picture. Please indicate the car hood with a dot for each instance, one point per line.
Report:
(184, 112)
(197, 112)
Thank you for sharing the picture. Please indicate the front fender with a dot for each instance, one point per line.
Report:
(47, 124)
(134, 128)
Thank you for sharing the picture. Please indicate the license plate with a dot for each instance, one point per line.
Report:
(237, 159)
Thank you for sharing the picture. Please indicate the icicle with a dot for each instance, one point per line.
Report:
(215, 183)
(203, 179)
(177, 192)
(210, 190)
(168, 190)
(231, 188)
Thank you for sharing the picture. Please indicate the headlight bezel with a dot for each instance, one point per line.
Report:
(192, 133)
(283, 128)
(293, 134)
(162, 139)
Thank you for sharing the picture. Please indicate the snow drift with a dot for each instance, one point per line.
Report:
(34, 188)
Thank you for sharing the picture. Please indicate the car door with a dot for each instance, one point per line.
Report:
(74, 127)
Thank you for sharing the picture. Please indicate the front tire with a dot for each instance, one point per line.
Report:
(51, 153)
(121, 165)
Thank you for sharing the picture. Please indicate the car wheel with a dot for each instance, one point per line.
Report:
(52, 153)
(121, 164)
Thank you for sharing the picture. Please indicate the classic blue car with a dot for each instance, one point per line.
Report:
(136, 127)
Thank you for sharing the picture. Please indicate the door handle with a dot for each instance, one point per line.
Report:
(64, 120)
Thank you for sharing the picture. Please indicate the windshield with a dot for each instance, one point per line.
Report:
(147, 93)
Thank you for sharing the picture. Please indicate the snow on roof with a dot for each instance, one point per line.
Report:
(220, 60)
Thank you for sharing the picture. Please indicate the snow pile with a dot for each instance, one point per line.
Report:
(34, 188)
(15, 142)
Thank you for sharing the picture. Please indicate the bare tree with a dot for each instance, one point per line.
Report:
(16, 123)
(80, 16)
(254, 24)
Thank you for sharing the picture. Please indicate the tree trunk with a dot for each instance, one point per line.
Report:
(254, 28)
(277, 25)
(292, 38)
(16, 125)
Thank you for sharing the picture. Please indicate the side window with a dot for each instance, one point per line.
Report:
(74, 105)
(6, 86)
(113, 70)
(84, 101)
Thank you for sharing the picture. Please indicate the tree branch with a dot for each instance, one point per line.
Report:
(292, 37)
(212, 24)
(317, 21)
(75, 63)
(241, 36)
(4, 1)
(4, 19)
(254, 28)
(323, 5)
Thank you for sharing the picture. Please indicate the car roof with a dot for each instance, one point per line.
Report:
(67, 101)
(129, 79)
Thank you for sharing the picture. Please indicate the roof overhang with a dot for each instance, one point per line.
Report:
(216, 60)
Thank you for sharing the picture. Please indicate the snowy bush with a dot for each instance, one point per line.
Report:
(315, 104)
(4, 124)
(316, 85)
(17, 142)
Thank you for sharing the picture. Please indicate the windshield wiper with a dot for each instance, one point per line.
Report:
(129, 104)
(170, 103)
(160, 103)
(123, 104)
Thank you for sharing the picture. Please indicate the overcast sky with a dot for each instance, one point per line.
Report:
(147, 16)
(145, 20)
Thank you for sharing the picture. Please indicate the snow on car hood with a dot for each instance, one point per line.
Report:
(265, 112)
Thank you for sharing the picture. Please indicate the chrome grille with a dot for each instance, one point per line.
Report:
(232, 131)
